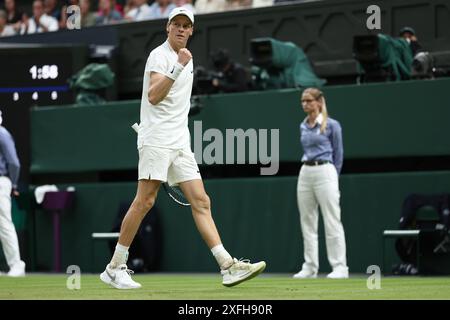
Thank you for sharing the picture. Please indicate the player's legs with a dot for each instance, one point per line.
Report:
(142, 203)
(309, 221)
(233, 271)
(116, 273)
(152, 169)
(184, 171)
(195, 193)
(201, 211)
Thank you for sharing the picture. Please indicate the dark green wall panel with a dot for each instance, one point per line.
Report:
(84, 138)
(379, 120)
(257, 218)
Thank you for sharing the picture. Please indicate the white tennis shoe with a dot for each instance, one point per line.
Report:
(17, 270)
(305, 274)
(341, 273)
(240, 271)
(119, 278)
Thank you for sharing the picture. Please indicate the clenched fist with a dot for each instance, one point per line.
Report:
(184, 56)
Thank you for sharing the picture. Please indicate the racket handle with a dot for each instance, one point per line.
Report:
(135, 127)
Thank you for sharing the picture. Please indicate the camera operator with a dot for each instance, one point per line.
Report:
(409, 35)
(230, 76)
(423, 65)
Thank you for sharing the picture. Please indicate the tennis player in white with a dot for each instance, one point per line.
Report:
(165, 155)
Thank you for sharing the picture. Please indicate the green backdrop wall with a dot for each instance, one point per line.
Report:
(379, 121)
(257, 218)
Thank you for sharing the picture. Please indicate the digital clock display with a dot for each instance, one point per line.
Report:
(44, 72)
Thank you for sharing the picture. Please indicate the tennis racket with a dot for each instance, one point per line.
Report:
(173, 192)
(176, 195)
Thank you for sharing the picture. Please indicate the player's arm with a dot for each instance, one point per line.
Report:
(338, 147)
(160, 84)
(159, 87)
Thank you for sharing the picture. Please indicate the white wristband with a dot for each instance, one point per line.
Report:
(175, 71)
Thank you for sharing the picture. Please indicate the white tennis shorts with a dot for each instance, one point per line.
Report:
(167, 165)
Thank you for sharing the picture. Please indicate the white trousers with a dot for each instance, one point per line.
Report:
(319, 186)
(8, 235)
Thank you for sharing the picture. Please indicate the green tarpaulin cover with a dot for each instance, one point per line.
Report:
(89, 80)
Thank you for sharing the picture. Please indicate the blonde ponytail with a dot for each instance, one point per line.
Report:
(324, 112)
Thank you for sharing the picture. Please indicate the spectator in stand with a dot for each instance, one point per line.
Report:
(87, 16)
(140, 12)
(185, 4)
(51, 9)
(14, 17)
(210, 6)
(161, 9)
(107, 13)
(238, 4)
(5, 30)
(39, 22)
(129, 5)
(118, 7)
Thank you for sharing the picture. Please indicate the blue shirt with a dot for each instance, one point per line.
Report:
(9, 162)
(325, 146)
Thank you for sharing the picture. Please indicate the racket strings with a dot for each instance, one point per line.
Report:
(176, 194)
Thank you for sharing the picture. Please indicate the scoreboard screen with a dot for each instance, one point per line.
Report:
(35, 76)
(38, 75)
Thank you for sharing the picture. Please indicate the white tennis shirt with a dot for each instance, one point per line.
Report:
(166, 123)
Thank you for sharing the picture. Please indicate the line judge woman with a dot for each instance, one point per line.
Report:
(318, 186)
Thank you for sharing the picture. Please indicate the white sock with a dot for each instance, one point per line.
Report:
(120, 256)
(222, 256)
